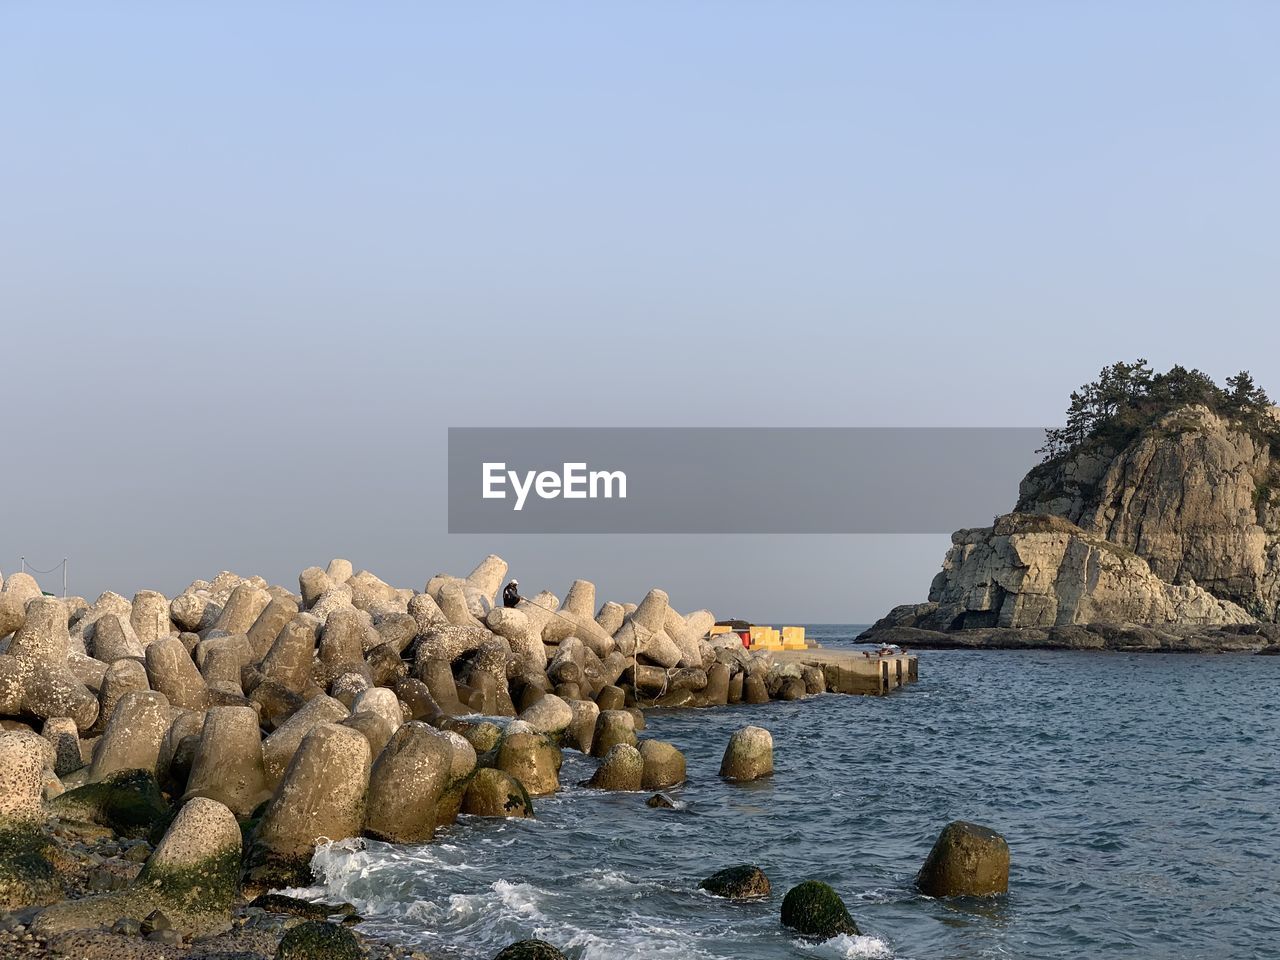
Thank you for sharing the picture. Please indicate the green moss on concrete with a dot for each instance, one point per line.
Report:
(196, 899)
(450, 803)
(319, 940)
(129, 802)
(27, 877)
(814, 909)
(209, 886)
(482, 736)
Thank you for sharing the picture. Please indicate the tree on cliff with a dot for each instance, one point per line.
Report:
(1127, 397)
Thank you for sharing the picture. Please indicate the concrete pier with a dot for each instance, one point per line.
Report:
(852, 671)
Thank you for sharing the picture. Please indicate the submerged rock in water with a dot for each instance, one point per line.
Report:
(530, 950)
(660, 801)
(664, 765)
(494, 793)
(743, 882)
(532, 759)
(966, 860)
(621, 769)
(749, 755)
(613, 727)
(814, 909)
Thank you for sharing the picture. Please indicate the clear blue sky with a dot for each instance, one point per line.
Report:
(255, 258)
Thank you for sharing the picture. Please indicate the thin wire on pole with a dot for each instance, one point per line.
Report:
(28, 568)
(56, 567)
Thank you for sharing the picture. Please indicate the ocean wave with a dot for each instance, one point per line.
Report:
(336, 866)
(608, 880)
(503, 905)
(519, 898)
(847, 947)
(646, 944)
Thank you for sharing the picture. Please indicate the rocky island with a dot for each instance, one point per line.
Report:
(1153, 523)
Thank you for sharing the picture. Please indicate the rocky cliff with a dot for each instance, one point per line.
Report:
(1195, 496)
(1035, 570)
(1177, 527)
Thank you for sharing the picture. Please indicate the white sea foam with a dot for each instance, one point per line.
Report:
(607, 880)
(848, 948)
(338, 865)
(520, 898)
(630, 945)
(386, 885)
(502, 902)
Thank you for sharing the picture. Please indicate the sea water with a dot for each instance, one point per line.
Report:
(1139, 794)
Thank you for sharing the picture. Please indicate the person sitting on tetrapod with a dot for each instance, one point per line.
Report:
(511, 594)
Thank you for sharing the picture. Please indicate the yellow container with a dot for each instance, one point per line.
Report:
(793, 638)
(765, 638)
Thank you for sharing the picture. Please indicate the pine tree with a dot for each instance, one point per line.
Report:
(1127, 397)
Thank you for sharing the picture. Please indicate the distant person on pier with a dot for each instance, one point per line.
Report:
(511, 594)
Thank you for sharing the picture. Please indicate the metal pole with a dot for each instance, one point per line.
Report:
(64, 578)
(24, 564)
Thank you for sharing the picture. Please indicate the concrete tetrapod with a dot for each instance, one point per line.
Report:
(192, 877)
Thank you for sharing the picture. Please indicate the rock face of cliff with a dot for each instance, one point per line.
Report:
(1180, 526)
(1036, 570)
(1194, 496)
